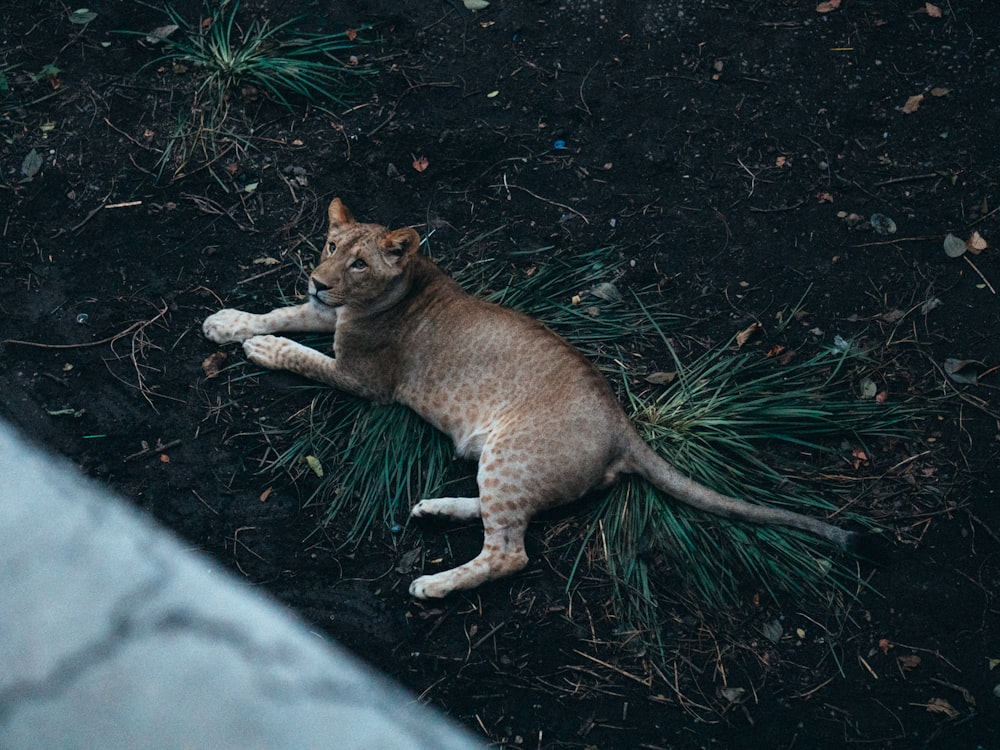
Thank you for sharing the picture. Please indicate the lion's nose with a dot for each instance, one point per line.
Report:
(318, 285)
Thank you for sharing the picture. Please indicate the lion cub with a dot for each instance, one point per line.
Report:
(541, 419)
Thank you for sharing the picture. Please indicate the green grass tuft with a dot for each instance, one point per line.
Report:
(222, 55)
(718, 424)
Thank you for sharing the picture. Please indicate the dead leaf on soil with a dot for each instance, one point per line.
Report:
(475, 5)
(891, 316)
(912, 104)
(82, 16)
(908, 661)
(962, 370)
(265, 494)
(212, 364)
(266, 261)
(351, 35)
(743, 336)
(942, 706)
(315, 465)
(31, 164)
(828, 5)
(607, 292)
(940, 91)
(733, 694)
(954, 247)
(420, 163)
(976, 244)
(932, 10)
(824, 197)
(408, 561)
(160, 33)
(661, 378)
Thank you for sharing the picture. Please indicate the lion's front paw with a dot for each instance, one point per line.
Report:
(268, 351)
(227, 326)
(430, 587)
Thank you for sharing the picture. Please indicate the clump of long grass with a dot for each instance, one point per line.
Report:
(223, 56)
(719, 423)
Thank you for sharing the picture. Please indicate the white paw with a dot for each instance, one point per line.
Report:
(266, 351)
(227, 326)
(429, 587)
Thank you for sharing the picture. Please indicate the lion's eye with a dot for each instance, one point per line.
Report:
(359, 265)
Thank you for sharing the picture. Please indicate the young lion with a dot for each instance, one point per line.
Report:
(541, 419)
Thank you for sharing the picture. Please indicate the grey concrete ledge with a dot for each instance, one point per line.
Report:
(114, 636)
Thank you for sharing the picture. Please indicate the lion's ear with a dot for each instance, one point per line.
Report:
(338, 214)
(400, 243)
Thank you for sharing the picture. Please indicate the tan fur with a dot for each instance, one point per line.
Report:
(541, 419)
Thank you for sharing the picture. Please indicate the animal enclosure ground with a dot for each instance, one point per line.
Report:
(743, 157)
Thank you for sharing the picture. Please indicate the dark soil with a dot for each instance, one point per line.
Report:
(713, 144)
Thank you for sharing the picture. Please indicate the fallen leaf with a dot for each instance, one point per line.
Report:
(932, 10)
(315, 465)
(827, 6)
(881, 397)
(265, 494)
(408, 561)
(607, 292)
(824, 197)
(860, 458)
(31, 164)
(868, 389)
(266, 261)
(212, 364)
(476, 4)
(960, 370)
(772, 630)
(420, 163)
(160, 33)
(942, 706)
(993, 663)
(775, 351)
(940, 91)
(891, 316)
(733, 694)
(908, 661)
(743, 336)
(82, 16)
(661, 378)
(976, 244)
(912, 104)
(780, 161)
(954, 247)
(164, 458)
(351, 34)
(884, 644)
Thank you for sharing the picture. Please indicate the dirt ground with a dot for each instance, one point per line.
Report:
(722, 147)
